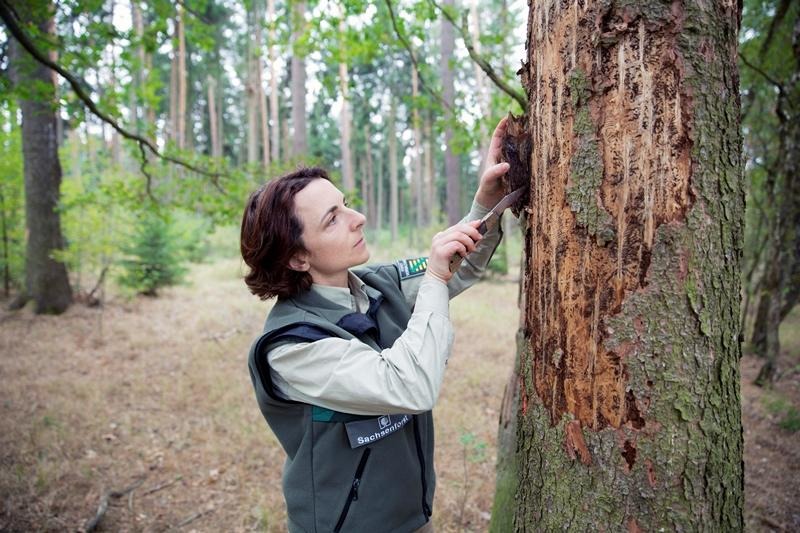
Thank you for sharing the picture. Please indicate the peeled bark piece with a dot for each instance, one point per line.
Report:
(629, 411)
(516, 151)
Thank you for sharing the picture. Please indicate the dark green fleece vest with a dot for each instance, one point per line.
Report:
(333, 481)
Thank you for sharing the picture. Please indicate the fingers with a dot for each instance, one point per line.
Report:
(495, 147)
(495, 171)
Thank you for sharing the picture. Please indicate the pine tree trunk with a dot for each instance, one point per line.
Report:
(299, 137)
(213, 126)
(252, 93)
(628, 392)
(348, 179)
(260, 94)
(181, 80)
(419, 206)
(451, 166)
(46, 280)
(429, 184)
(273, 85)
(370, 199)
(393, 186)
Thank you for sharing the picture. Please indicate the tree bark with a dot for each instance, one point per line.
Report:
(46, 280)
(181, 78)
(628, 392)
(348, 179)
(370, 176)
(298, 66)
(393, 186)
(451, 166)
(260, 93)
(252, 92)
(419, 204)
(273, 84)
(213, 125)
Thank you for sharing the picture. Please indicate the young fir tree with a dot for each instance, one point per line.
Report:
(154, 259)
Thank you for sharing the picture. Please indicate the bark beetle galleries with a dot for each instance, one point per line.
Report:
(516, 151)
(609, 125)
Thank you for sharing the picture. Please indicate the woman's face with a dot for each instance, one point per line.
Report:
(332, 234)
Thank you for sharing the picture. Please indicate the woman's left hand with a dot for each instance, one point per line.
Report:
(490, 189)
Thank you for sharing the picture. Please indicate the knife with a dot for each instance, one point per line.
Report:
(490, 220)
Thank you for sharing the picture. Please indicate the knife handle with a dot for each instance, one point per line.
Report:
(456, 259)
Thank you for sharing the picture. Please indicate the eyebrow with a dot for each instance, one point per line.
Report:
(328, 212)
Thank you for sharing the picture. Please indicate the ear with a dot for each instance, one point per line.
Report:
(299, 262)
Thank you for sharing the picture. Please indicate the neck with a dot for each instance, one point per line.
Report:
(339, 279)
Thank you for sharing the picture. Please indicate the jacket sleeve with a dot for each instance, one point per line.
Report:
(472, 267)
(349, 376)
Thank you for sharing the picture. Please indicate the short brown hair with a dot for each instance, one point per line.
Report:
(272, 234)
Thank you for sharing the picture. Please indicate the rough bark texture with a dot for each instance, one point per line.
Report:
(629, 412)
(46, 279)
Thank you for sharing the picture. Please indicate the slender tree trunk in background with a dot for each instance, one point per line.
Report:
(419, 206)
(370, 176)
(252, 92)
(212, 117)
(171, 132)
(452, 169)
(299, 136)
(780, 287)
(273, 85)
(348, 180)
(260, 94)
(628, 393)
(393, 192)
(379, 200)
(4, 233)
(181, 80)
(429, 195)
(481, 94)
(46, 280)
(138, 75)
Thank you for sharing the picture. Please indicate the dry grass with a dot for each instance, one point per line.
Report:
(157, 390)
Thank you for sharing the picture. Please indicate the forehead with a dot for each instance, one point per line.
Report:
(316, 198)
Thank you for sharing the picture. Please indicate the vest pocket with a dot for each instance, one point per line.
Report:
(353, 495)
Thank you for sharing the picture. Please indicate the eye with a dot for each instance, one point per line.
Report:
(332, 220)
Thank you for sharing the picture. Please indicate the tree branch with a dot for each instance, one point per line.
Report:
(766, 76)
(413, 56)
(6, 13)
(477, 58)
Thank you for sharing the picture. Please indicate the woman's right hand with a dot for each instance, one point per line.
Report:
(460, 239)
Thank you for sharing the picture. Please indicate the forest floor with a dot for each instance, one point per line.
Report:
(152, 397)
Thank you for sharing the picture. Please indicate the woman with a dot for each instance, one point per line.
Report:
(351, 361)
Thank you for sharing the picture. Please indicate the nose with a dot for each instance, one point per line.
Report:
(358, 220)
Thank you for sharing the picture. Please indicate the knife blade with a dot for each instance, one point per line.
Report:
(490, 220)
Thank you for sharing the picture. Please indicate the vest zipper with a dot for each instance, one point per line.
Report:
(353, 495)
(425, 509)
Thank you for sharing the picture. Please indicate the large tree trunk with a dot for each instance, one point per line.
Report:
(298, 66)
(628, 392)
(451, 166)
(46, 280)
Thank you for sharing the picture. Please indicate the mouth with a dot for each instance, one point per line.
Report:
(359, 242)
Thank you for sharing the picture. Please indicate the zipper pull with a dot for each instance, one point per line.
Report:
(356, 483)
